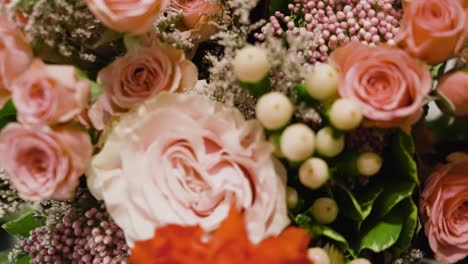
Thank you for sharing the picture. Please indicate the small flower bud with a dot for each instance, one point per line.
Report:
(345, 114)
(313, 173)
(369, 163)
(318, 256)
(322, 82)
(291, 197)
(324, 210)
(328, 145)
(251, 64)
(297, 142)
(274, 110)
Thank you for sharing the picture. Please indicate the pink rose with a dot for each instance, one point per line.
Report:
(188, 159)
(15, 56)
(444, 207)
(49, 94)
(454, 87)
(135, 17)
(198, 14)
(44, 163)
(389, 85)
(139, 75)
(433, 30)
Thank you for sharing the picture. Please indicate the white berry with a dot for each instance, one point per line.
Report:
(325, 210)
(360, 261)
(345, 114)
(369, 163)
(322, 82)
(297, 142)
(318, 256)
(292, 197)
(251, 64)
(274, 110)
(328, 145)
(313, 173)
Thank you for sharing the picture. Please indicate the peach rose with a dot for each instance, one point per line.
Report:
(44, 163)
(389, 85)
(134, 17)
(139, 75)
(433, 30)
(15, 56)
(49, 94)
(444, 207)
(198, 14)
(454, 87)
(188, 159)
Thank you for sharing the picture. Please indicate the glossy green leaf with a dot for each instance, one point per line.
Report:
(349, 206)
(410, 211)
(402, 160)
(22, 225)
(394, 192)
(381, 234)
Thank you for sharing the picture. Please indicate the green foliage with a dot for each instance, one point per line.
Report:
(410, 210)
(23, 225)
(277, 5)
(7, 114)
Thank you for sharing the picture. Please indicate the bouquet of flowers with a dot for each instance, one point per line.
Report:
(234, 131)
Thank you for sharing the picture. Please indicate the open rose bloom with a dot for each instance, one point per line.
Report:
(44, 163)
(388, 84)
(433, 30)
(444, 206)
(180, 159)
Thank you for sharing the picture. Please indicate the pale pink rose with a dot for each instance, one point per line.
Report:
(49, 94)
(44, 163)
(444, 208)
(134, 16)
(198, 14)
(388, 84)
(433, 30)
(15, 56)
(139, 75)
(454, 87)
(182, 159)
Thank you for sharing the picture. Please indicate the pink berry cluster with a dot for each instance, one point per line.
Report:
(339, 22)
(83, 238)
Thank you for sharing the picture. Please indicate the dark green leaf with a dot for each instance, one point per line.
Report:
(349, 206)
(410, 211)
(277, 5)
(382, 234)
(23, 225)
(394, 192)
(402, 151)
(368, 196)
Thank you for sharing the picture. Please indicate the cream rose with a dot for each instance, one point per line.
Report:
(49, 94)
(135, 17)
(15, 56)
(138, 76)
(180, 159)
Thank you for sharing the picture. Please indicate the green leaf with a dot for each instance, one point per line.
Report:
(410, 211)
(7, 114)
(368, 196)
(23, 260)
(349, 206)
(277, 5)
(382, 234)
(23, 225)
(131, 42)
(402, 153)
(394, 192)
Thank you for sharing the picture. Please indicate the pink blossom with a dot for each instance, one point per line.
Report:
(44, 163)
(389, 85)
(454, 87)
(15, 56)
(444, 207)
(188, 159)
(49, 94)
